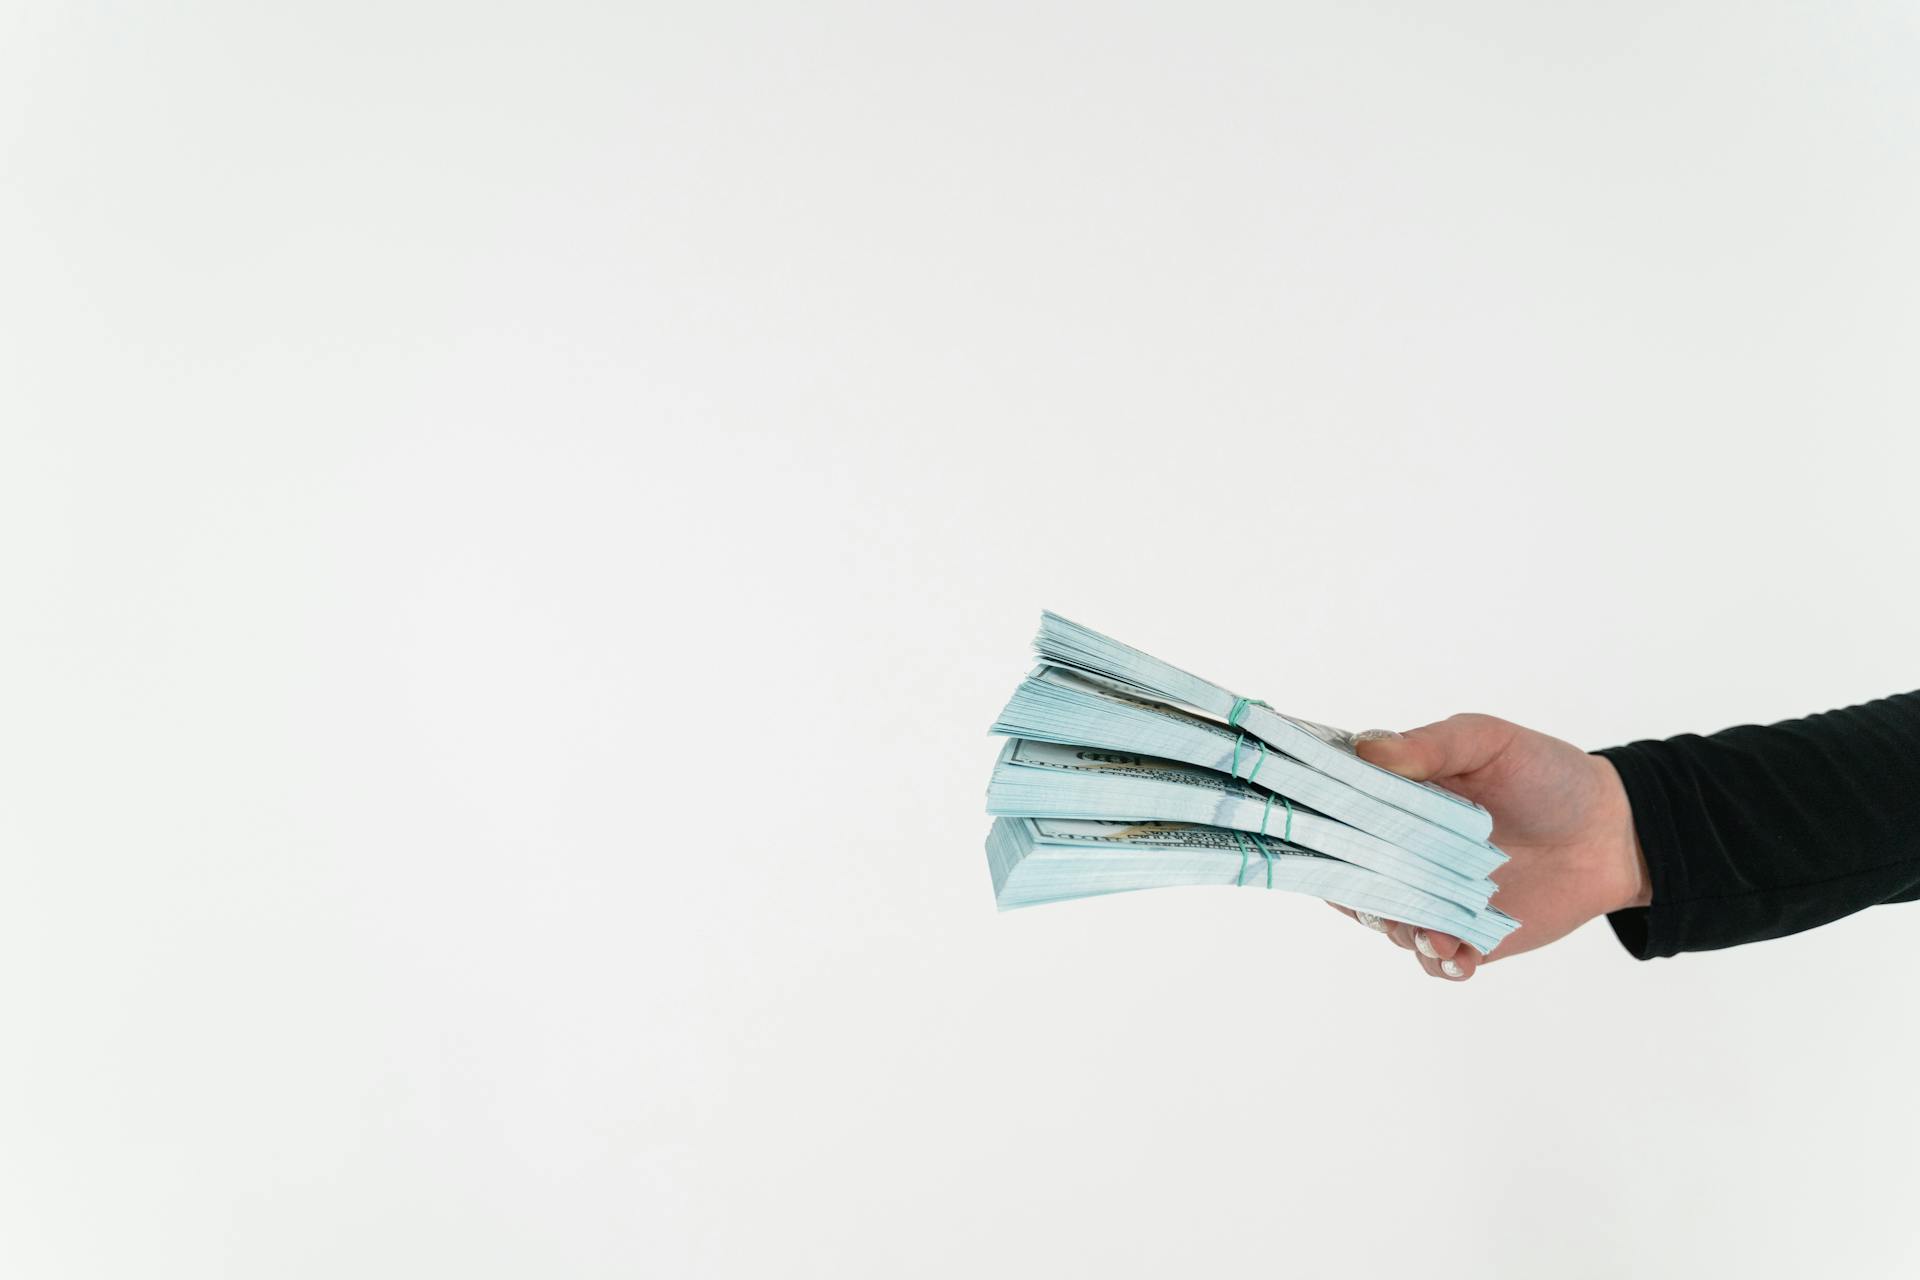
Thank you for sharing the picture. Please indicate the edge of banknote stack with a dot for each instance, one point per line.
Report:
(1123, 772)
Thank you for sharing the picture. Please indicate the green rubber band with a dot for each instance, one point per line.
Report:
(1261, 839)
(1240, 706)
(1233, 770)
(1240, 881)
(1267, 812)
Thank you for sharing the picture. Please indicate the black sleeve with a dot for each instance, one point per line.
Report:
(1756, 833)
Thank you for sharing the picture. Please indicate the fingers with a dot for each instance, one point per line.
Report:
(1441, 955)
(1400, 935)
(1456, 745)
(1366, 918)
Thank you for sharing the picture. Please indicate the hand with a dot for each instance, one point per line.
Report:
(1560, 814)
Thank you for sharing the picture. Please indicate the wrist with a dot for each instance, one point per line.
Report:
(1629, 883)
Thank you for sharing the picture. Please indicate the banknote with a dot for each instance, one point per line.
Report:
(1059, 705)
(1045, 860)
(1067, 644)
(1048, 779)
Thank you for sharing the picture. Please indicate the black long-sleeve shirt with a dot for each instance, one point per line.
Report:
(1757, 832)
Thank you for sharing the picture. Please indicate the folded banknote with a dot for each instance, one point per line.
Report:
(1068, 644)
(1048, 779)
(1039, 860)
(1123, 772)
(1056, 704)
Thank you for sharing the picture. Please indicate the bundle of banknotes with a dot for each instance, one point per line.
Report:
(1121, 772)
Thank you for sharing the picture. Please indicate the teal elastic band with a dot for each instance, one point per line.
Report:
(1268, 811)
(1240, 881)
(1240, 706)
(1233, 770)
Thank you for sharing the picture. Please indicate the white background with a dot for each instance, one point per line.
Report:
(514, 521)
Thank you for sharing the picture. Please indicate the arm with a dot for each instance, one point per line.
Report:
(1756, 833)
(1688, 844)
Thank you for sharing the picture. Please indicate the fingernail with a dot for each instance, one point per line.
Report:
(1369, 735)
(1371, 920)
(1452, 969)
(1424, 947)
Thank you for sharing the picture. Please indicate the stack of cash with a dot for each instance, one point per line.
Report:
(1123, 772)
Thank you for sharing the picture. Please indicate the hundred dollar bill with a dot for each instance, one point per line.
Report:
(1055, 704)
(1066, 644)
(1046, 779)
(1041, 860)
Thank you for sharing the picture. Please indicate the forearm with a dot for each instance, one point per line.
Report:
(1758, 832)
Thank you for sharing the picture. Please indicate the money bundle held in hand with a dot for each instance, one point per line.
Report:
(1122, 772)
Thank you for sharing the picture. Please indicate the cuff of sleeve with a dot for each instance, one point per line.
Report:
(1647, 932)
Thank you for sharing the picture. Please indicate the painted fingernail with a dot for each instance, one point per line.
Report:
(1371, 920)
(1370, 735)
(1425, 947)
(1452, 969)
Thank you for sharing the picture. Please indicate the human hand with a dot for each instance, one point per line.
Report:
(1560, 814)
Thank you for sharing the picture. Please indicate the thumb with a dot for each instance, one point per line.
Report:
(1447, 749)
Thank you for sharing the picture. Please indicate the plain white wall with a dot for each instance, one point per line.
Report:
(514, 521)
